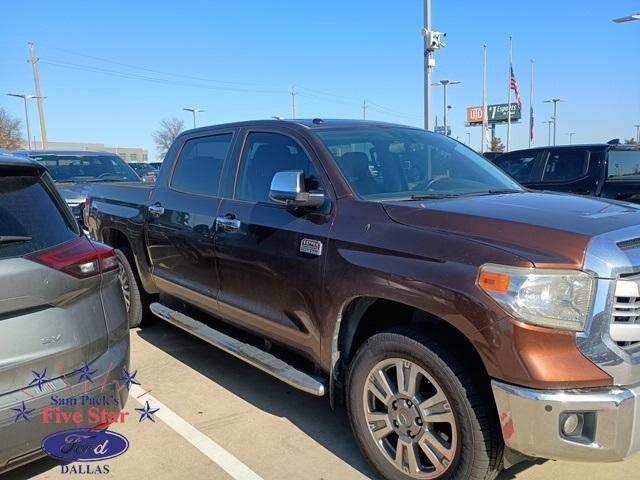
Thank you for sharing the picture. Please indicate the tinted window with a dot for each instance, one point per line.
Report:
(518, 165)
(565, 165)
(87, 168)
(624, 165)
(268, 153)
(200, 165)
(401, 163)
(27, 208)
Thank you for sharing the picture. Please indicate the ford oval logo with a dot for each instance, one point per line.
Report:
(84, 445)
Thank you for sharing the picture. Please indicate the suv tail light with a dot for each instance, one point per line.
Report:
(81, 258)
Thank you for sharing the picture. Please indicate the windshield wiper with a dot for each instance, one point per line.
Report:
(99, 180)
(4, 239)
(505, 190)
(434, 196)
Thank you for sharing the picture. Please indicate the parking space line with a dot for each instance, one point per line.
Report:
(225, 460)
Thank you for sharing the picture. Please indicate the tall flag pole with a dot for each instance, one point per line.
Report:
(484, 98)
(531, 122)
(509, 84)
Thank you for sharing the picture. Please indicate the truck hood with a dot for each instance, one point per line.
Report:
(547, 229)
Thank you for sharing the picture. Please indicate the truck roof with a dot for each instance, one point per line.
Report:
(308, 123)
(584, 146)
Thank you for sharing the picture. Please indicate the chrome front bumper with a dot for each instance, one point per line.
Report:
(532, 422)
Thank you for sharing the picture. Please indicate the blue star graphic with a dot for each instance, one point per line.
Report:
(129, 379)
(40, 379)
(22, 412)
(86, 373)
(147, 412)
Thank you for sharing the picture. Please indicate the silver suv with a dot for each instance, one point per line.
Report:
(64, 337)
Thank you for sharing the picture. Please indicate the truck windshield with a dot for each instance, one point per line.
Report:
(395, 163)
(87, 168)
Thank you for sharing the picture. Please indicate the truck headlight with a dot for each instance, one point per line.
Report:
(549, 298)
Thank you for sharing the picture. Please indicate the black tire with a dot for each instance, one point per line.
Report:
(139, 300)
(478, 439)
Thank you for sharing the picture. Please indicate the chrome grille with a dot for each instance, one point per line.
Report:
(625, 323)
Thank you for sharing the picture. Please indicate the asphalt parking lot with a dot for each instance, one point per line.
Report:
(248, 424)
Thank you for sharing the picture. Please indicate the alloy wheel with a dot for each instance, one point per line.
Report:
(410, 418)
(124, 285)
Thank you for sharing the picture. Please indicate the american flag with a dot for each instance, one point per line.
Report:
(516, 90)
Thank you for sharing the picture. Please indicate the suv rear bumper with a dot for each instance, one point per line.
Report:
(532, 422)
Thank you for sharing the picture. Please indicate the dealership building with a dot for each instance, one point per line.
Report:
(129, 154)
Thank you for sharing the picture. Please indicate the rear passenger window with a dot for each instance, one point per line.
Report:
(31, 219)
(519, 166)
(268, 153)
(200, 165)
(566, 165)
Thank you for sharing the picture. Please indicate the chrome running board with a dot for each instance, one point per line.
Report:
(248, 353)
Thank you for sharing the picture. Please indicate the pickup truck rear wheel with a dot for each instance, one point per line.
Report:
(418, 412)
(136, 299)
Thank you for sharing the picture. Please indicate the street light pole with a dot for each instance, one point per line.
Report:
(445, 84)
(549, 122)
(194, 111)
(555, 115)
(571, 134)
(26, 98)
(637, 133)
(428, 60)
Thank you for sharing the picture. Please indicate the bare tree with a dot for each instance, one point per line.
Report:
(10, 131)
(169, 129)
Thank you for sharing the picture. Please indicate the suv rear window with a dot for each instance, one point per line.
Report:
(28, 209)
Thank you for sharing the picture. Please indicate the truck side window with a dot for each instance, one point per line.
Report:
(264, 155)
(624, 165)
(565, 165)
(199, 165)
(518, 165)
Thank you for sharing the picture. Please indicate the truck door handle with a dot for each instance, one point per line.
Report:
(155, 210)
(229, 223)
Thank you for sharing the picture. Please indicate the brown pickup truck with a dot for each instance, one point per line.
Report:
(465, 322)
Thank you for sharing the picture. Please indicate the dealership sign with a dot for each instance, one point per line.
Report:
(495, 114)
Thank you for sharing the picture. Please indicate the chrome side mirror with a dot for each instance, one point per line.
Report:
(287, 188)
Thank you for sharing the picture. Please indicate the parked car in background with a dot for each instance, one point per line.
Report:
(74, 171)
(156, 164)
(453, 311)
(146, 171)
(600, 170)
(61, 310)
(491, 155)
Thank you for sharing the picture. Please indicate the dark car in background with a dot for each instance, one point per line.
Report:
(146, 171)
(75, 171)
(491, 155)
(61, 311)
(600, 170)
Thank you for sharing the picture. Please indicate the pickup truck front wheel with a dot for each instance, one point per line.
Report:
(418, 412)
(136, 299)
